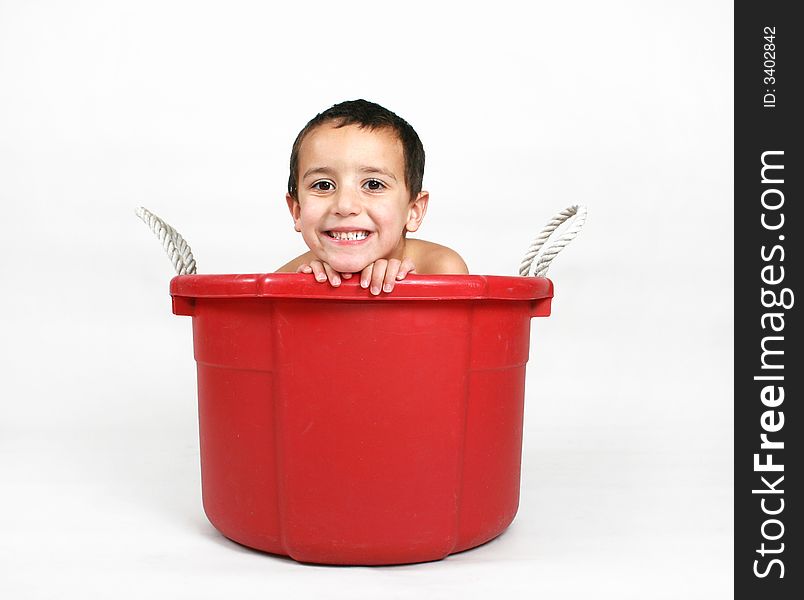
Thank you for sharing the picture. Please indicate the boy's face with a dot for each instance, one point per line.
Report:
(353, 203)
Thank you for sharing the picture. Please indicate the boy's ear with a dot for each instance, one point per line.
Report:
(417, 210)
(295, 211)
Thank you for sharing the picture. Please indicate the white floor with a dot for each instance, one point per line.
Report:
(118, 514)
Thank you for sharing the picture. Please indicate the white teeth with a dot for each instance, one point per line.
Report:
(348, 235)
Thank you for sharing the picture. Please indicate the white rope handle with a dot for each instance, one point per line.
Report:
(178, 250)
(551, 251)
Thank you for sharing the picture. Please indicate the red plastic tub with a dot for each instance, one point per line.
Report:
(342, 428)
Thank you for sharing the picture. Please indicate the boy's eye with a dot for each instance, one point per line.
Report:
(374, 184)
(323, 186)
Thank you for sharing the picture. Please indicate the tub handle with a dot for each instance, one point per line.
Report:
(550, 252)
(176, 247)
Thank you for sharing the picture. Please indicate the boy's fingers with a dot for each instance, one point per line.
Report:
(318, 270)
(304, 268)
(377, 275)
(346, 275)
(332, 275)
(406, 267)
(365, 276)
(390, 275)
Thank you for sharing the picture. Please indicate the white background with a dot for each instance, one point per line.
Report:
(190, 109)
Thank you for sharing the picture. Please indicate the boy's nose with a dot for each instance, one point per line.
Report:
(346, 203)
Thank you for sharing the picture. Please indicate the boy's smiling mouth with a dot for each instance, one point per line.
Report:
(356, 235)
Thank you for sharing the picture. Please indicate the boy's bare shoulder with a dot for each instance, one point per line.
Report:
(294, 264)
(434, 259)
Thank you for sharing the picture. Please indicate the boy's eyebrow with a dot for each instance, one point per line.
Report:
(317, 171)
(378, 170)
(329, 171)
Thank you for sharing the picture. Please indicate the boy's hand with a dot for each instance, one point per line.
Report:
(379, 276)
(323, 272)
(383, 274)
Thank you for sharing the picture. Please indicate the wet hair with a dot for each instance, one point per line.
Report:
(372, 116)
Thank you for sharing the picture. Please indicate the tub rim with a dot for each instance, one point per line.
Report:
(413, 287)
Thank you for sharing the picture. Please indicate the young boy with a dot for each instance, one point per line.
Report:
(354, 191)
